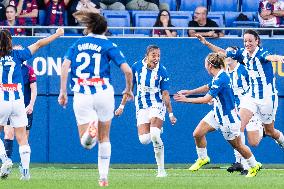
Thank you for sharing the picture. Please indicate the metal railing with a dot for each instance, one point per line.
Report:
(141, 31)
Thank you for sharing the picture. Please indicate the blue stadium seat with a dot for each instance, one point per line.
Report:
(230, 21)
(117, 19)
(226, 5)
(250, 5)
(230, 17)
(217, 17)
(172, 4)
(190, 5)
(181, 19)
(144, 19)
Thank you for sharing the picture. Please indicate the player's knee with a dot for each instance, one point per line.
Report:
(155, 133)
(145, 138)
(197, 134)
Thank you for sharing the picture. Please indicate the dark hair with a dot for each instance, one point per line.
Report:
(12, 7)
(255, 34)
(158, 22)
(217, 60)
(93, 21)
(151, 48)
(5, 43)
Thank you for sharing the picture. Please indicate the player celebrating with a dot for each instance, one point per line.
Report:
(11, 95)
(89, 59)
(223, 116)
(151, 101)
(257, 61)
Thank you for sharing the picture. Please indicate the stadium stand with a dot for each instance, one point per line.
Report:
(172, 4)
(181, 19)
(227, 5)
(190, 5)
(117, 19)
(249, 5)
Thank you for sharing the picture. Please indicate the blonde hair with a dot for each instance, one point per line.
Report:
(217, 60)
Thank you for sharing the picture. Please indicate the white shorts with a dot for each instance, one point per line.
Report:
(98, 106)
(255, 123)
(15, 111)
(145, 115)
(266, 108)
(230, 132)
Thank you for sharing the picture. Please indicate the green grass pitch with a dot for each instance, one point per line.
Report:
(70, 176)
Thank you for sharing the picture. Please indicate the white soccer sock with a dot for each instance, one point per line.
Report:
(244, 163)
(280, 140)
(87, 141)
(104, 153)
(201, 152)
(251, 161)
(158, 147)
(3, 155)
(238, 156)
(25, 154)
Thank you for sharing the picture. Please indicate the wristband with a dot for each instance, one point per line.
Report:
(121, 106)
(171, 114)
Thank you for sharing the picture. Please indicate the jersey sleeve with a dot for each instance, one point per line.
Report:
(165, 80)
(234, 54)
(215, 88)
(69, 53)
(116, 55)
(32, 75)
(263, 56)
(24, 54)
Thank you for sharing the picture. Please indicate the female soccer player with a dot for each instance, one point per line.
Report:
(262, 96)
(11, 96)
(223, 116)
(93, 104)
(151, 101)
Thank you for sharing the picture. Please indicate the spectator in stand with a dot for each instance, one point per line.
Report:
(151, 5)
(55, 13)
(2, 12)
(164, 20)
(112, 4)
(27, 11)
(200, 20)
(11, 20)
(270, 13)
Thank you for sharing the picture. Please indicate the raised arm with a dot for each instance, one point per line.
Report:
(275, 58)
(45, 41)
(199, 90)
(199, 100)
(214, 48)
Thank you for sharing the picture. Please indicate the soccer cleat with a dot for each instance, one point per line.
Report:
(93, 130)
(252, 172)
(244, 172)
(103, 182)
(161, 173)
(6, 169)
(25, 175)
(199, 163)
(235, 167)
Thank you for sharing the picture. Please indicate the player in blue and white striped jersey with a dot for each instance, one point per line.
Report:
(240, 85)
(262, 97)
(151, 101)
(12, 99)
(89, 59)
(224, 115)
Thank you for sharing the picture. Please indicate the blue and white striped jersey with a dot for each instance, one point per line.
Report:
(240, 81)
(90, 58)
(224, 101)
(260, 70)
(11, 81)
(150, 84)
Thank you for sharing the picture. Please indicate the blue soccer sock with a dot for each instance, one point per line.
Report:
(8, 147)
